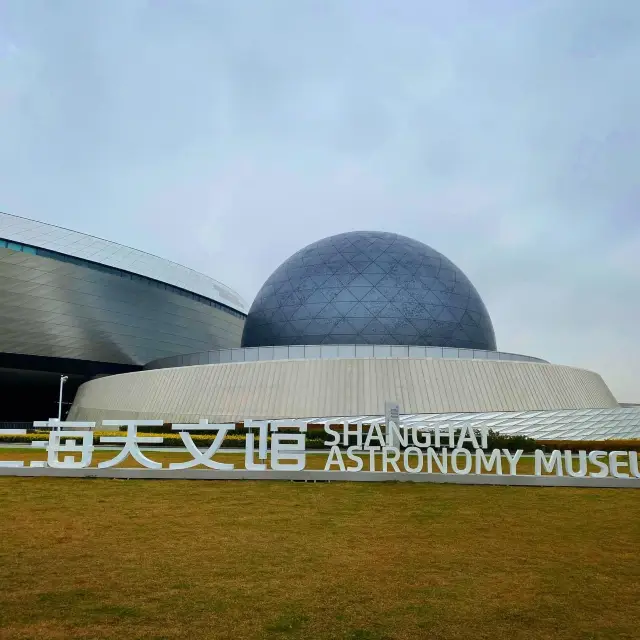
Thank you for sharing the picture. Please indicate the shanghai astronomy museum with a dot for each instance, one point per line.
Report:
(342, 326)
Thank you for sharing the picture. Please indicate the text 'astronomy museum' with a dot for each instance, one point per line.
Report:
(342, 326)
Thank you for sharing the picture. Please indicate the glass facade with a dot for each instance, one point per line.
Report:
(369, 288)
(325, 351)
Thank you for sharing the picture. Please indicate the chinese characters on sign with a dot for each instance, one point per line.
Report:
(280, 445)
(285, 451)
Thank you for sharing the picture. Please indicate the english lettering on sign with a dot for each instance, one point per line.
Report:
(354, 447)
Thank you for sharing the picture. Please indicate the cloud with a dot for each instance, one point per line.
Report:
(228, 135)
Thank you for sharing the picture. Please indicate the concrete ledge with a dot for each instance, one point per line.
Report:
(322, 476)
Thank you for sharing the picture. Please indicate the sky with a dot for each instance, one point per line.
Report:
(226, 135)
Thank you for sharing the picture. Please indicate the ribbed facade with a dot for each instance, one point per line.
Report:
(345, 387)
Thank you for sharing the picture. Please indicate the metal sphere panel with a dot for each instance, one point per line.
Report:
(369, 288)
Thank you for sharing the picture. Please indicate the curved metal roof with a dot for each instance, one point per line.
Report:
(80, 245)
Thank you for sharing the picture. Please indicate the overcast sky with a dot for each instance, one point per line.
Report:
(227, 135)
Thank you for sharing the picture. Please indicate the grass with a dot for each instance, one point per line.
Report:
(96, 559)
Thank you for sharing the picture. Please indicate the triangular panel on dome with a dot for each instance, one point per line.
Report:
(374, 296)
(344, 307)
(412, 284)
(346, 278)
(389, 311)
(462, 288)
(422, 324)
(302, 313)
(374, 327)
(458, 301)
(427, 271)
(360, 292)
(446, 329)
(375, 307)
(457, 313)
(305, 283)
(360, 281)
(402, 295)
(359, 311)
(317, 297)
(446, 315)
(404, 329)
(411, 309)
(321, 326)
(345, 296)
(435, 285)
(468, 320)
(359, 323)
(331, 294)
(339, 338)
(287, 330)
(428, 298)
(344, 327)
(387, 292)
(288, 311)
(373, 278)
(385, 262)
(389, 281)
(361, 260)
(282, 287)
(373, 267)
(329, 312)
(333, 283)
(299, 326)
(390, 323)
(277, 315)
(318, 280)
(315, 309)
(290, 272)
(317, 269)
(399, 269)
(381, 338)
(269, 303)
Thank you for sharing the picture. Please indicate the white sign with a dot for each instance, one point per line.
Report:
(280, 445)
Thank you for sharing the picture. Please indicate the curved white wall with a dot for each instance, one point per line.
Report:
(347, 387)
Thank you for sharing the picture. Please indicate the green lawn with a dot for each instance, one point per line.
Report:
(196, 559)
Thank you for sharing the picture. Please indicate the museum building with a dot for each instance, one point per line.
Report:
(342, 326)
(79, 306)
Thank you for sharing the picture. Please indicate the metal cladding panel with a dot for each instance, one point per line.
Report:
(61, 310)
(101, 251)
(347, 387)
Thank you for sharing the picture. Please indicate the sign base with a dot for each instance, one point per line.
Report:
(323, 476)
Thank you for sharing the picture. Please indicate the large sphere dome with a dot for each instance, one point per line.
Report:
(369, 287)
